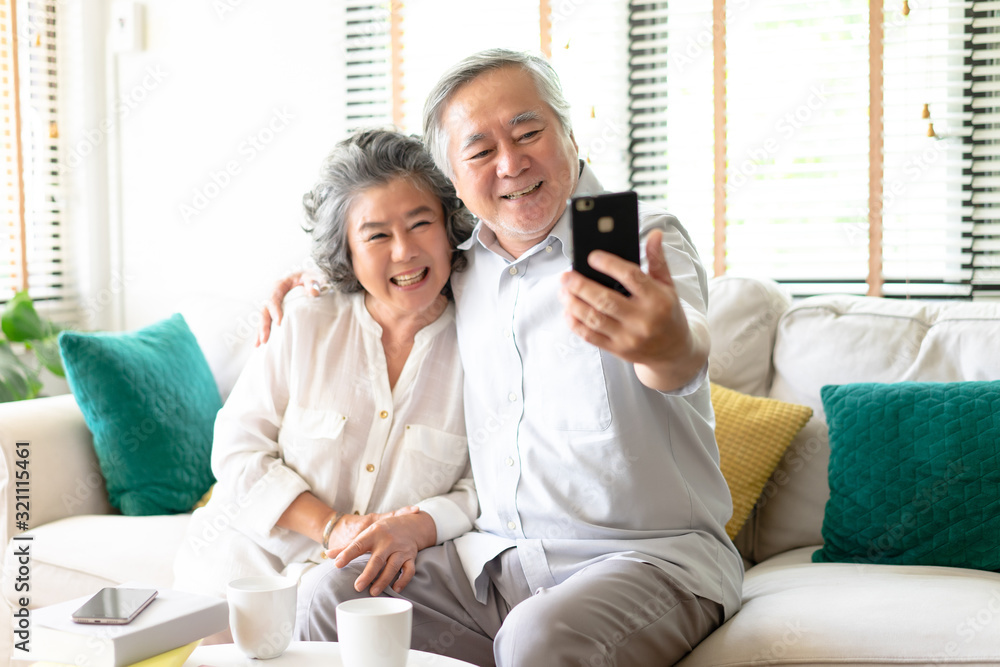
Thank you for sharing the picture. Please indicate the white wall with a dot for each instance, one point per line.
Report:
(218, 126)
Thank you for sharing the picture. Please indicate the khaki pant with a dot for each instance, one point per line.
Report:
(614, 612)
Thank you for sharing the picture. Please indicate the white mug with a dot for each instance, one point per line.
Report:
(262, 614)
(374, 632)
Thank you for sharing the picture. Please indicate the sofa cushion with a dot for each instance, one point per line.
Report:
(743, 315)
(226, 329)
(150, 400)
(752, 433)
(844, 339)
(914, 474)
(77, 556)
(796, 612)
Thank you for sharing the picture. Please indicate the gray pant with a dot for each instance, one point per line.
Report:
(615, 612)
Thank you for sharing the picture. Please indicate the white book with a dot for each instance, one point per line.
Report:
(173, 619)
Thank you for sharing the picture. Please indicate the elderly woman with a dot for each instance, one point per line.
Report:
(350, 420)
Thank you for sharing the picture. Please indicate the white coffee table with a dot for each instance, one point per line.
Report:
(301, 654)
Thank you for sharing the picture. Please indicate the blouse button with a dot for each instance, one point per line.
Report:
(383, 414)
(370, 468)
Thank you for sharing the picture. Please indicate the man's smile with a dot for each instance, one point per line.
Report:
(521, 193)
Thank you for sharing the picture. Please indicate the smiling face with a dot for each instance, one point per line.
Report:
(512, 163)
(399, 250)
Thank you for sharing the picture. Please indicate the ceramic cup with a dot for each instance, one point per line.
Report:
(262, 614)
(374, 632)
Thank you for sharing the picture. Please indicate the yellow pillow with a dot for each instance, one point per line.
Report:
(204, 499)
(753, 433)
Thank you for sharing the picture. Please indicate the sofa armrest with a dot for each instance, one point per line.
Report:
(64, 478)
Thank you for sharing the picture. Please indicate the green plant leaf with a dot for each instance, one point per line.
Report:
(17, 381)
(47, 351)
(20, 320)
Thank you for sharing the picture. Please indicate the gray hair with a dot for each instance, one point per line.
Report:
(545, 78)
(367, 159)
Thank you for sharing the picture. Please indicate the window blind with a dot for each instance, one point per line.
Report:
(589, 46)
(926, 193)
(797, 143)
(985, 141)
(439, 33)
(50, 277)
(796, 126)
(590, 51)
(671, 103)
(649, 157)
(12, 259)
(368, 52)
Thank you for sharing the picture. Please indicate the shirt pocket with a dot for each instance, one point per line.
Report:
(569, 391)
(311, 441)
(429, 464)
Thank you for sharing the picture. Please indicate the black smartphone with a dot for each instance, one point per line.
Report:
(607, 222)
(114, 606)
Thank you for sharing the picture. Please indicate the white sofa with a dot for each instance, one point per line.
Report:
(795, 612)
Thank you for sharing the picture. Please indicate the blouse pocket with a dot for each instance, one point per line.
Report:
(310, 441)
(430, 463)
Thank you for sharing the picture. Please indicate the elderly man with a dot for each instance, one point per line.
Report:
(601, 537)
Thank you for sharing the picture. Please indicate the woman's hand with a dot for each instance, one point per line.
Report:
(393, 543)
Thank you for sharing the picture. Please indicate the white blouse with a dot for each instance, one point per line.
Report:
(313, 411)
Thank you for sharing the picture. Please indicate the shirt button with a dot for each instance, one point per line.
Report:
(506, 333)
(383, 414)
(513, 270)
(512, 397)
(370, 468)
(548, 248)
(509, 461)
(511, 525)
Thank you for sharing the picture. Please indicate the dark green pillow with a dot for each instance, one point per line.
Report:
(150, 401)
(914, 474)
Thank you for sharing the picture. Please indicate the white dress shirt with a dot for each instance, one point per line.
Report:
(575, 460)
(313, 411)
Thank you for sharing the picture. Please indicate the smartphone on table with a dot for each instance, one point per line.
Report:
(607, 222)
(114, 606)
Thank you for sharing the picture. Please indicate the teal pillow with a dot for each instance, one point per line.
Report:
(914, 474)
(150, 401)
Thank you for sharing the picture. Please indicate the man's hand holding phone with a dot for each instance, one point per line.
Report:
(648, 328)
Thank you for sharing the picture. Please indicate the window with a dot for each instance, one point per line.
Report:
(835, 147)
(34, 250)
(396, 54)
(800, 156)
(369, 64)
(437, 33)
(926, 188)
(985, 141)
(797, 143)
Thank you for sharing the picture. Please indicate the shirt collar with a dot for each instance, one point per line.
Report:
(369, 325)
(588, 184)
